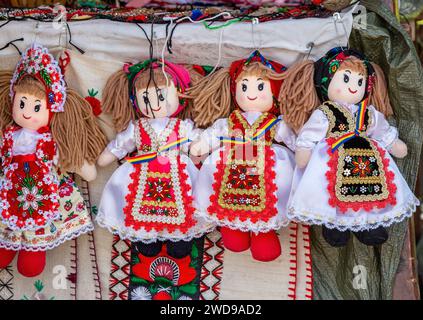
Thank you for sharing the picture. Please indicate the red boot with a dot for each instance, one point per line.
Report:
(6, 257)
(31, 264)
(265, 246)
(235, 240)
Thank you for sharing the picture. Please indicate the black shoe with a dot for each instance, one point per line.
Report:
(179, 249)
(372, 237)
(335, 237)
(150, 249)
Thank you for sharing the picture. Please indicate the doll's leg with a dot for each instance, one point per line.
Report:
(150, 249)
(179, 249)
(335, 237)
(235, 240)
(265, 246)
(31, 264)
(373, 237)
(6, 257)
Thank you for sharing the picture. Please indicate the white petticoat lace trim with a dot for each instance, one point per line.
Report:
(153, 236)
(49, 246)
(343, 223)
(245, 226)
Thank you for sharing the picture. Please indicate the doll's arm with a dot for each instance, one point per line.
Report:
(313, 131)
(386, 135)
(190, 132)
(285, 134)
(88, 171)
(118, 148)
(209, 138)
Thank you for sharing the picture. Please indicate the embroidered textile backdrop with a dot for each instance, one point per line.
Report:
(284, 41)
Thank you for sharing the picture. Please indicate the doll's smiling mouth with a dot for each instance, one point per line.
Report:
(352, 91)
(252, 99)
(155, 110)
(27, 118)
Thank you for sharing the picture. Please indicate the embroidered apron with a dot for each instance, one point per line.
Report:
(29, 190)
(358, 173)
(244, 182)
(158, 197)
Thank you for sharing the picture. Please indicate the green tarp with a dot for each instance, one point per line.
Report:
(338, 271)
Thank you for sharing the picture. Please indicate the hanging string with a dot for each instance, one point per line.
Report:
(70, 40)
(11, 43)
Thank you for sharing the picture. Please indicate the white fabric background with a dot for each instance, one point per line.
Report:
(284, 40)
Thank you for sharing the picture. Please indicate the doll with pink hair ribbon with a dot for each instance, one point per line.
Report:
(149, 198)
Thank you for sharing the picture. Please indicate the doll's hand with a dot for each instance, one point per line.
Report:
(198, 148)
(398, 149)
(106, 158)
(302, 157)
(88, 171)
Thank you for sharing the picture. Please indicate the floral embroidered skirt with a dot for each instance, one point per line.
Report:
(314, 188)
(129, 207)
(212, 175)
(73, 219)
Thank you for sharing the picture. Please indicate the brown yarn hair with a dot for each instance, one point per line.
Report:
(212, 98)
(116, 99)
(298, 97)
(75, 131)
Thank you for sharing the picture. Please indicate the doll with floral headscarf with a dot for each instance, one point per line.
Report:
(243, 186)
(346, 179)
(149, 197)
(47, 129)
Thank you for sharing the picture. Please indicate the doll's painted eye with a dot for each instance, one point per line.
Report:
(160, 95)
(244, 87)
(360, 82)
(37, 108)
(346, 78)
(146, 100)
(261, 86)
(22, 104)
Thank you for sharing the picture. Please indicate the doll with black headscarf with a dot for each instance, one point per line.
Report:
(345, 178)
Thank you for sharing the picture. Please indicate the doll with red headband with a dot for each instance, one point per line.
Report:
(149, 197)
(243, 186)
(47, 129)
(346, 179)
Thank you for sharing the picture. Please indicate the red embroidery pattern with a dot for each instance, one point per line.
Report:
(248, 189)
(29, 196)
(358, 205)
(159, 197)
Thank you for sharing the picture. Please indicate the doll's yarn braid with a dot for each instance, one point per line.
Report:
(77, 134)
(5, 103)
(298, 97)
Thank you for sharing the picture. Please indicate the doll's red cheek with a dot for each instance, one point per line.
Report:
(262, 96)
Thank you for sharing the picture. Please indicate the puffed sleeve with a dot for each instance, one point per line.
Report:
(190, 132)
(285, 134)
(313, 131)
(124, 142)
(211, 136)
(380, 129)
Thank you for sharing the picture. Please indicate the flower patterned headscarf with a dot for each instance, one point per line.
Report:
(326, 67)
(37, 62)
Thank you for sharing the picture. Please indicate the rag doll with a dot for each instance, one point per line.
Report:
(149, 197)
(346, 179)
(47, 130)
(243, 186)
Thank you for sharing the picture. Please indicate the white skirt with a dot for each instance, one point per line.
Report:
(284, 169)
(309, 200)
(111, 216)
